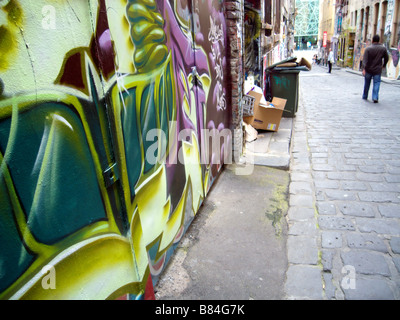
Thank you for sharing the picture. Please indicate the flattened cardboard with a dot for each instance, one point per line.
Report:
(304, 62)
(250, 133)
(266, 117)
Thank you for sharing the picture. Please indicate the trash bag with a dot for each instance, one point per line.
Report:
(267, 89)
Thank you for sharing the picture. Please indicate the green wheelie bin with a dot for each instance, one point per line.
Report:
(283, 82)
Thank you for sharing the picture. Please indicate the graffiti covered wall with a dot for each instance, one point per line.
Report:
(103, 160)
(252, 28)
(393, 68)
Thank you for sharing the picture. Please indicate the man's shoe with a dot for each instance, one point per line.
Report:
(375, 101)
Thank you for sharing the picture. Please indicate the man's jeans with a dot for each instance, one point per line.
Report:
(375, 87)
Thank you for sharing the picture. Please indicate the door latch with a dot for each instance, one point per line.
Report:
(110, 175)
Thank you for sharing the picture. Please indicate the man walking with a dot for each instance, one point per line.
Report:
(331, 60)
(374, 60)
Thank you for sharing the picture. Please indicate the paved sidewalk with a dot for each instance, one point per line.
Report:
(303, 279)
(383, 79)
(235, 248)
(271, 149)
(344, 214)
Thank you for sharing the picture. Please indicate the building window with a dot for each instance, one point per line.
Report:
(394, 41)
(277, 28)
(267, 11)
(355, 18)
(362, 24)
(375, 22)
(383, 19)
(366, 24)
(268, 15)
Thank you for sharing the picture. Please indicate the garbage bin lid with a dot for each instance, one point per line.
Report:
(298, 69)
(291, 59)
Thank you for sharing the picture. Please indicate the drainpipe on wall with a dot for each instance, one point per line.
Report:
(234, 20)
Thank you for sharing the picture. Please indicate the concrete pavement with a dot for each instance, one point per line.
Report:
(318, 218)
(235, 248)
(271, 149)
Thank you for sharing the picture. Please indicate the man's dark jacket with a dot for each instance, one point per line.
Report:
(372, 60)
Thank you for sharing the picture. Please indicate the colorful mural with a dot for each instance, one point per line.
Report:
(392, 69)
(252, 29)
(103, 164)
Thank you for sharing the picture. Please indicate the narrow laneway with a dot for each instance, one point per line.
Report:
(344, 216)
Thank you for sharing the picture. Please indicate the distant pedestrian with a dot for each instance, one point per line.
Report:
(314, 59)
(331, 60)
(374, 60)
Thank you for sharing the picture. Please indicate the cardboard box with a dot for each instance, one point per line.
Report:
(304, 62)
(267, 116)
